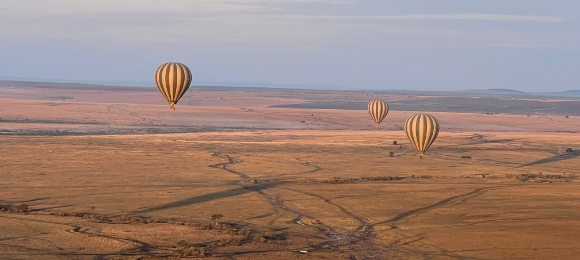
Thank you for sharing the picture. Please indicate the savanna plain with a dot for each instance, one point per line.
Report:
(107, 172)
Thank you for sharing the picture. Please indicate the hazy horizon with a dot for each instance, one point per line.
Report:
(526, 45)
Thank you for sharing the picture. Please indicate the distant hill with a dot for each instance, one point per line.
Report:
(517, 93)
(38, 84)
(209, 86)
(506, 90)
(571, 93)
(567, 93)
(503, 91)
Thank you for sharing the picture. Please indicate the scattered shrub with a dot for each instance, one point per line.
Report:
(231, 231)
(235, 241)
(22, 208)
(185, 249)
(183, 244)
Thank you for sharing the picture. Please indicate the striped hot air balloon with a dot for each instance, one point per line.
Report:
(422, 130)
(173, 80)
(378, 110)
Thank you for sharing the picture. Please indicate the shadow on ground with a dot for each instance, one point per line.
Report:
(555, 158)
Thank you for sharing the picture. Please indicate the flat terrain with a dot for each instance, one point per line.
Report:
(117, 175)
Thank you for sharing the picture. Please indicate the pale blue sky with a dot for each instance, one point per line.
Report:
(530, 45)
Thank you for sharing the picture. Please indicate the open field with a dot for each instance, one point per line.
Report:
(119, 176)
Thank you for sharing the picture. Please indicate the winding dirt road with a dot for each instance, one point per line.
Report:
(359, 243)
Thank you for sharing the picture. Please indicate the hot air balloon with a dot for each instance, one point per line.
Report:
(378, 110)
(173, 80)
(422, 130)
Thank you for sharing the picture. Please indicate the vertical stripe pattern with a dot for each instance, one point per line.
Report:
(378, 110)
(173, 80)
(422, 130)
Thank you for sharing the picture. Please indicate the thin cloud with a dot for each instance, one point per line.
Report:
(60, 7)
(272, 9)
(520, 46)
(263, 22)
(475, 17)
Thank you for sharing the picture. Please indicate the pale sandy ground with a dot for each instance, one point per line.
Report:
(277, 179)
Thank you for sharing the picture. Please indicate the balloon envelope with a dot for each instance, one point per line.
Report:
(378, 110)
(173, 80)
(422, 130)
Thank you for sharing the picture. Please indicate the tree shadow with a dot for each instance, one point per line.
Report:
(261, 216)
(33, 200)
(49, 208)
(499, 140)
(25, 201)
(479, 141)
(208, 197)
(555, 158)
(13, 238)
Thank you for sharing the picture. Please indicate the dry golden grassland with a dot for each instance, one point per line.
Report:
(334, 183)
(283, 180)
